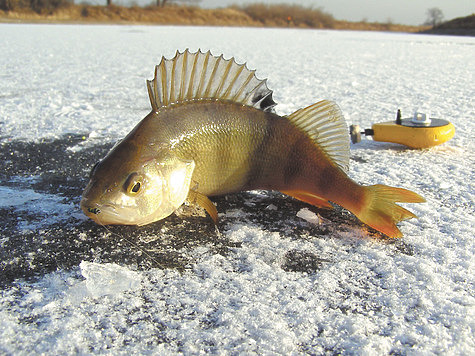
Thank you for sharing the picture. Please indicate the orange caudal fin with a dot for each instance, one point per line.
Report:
(381, 211)
(308, 198)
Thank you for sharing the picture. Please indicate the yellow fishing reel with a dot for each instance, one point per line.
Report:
(419, 131)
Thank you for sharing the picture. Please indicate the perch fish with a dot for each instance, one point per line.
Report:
(212, 131)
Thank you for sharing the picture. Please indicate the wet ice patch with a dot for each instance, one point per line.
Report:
(41, 209)
(16, 198)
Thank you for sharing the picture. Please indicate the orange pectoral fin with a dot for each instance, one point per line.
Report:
(308, 198)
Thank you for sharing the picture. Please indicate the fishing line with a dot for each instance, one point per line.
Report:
(122, 238)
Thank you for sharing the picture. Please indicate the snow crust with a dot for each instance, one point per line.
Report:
(367, 297)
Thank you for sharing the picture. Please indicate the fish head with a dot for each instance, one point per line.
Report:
(129, 187)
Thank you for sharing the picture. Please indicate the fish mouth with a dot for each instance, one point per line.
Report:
(105, 214)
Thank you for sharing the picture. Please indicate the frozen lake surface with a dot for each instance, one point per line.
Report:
(283, 277)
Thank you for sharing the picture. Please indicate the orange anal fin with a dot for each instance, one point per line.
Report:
(203, 201)
(308, 198)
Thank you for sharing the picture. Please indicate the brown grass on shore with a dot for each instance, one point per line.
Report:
(173, 15)
(284, 15)
(252, 15)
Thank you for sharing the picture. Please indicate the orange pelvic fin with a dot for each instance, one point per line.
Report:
(203, 201)
(308, 198)
(380, 211)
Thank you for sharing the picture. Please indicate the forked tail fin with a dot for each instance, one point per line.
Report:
(381, 211)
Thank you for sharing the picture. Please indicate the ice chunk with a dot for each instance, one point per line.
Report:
(309, 216)
(108, 278)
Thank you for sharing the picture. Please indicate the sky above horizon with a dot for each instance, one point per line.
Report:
(410, 12)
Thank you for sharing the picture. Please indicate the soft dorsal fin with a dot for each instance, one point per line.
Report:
(326, 126)
(200, 76)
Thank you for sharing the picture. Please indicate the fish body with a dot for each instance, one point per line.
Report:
(236, 148)
(212, 131)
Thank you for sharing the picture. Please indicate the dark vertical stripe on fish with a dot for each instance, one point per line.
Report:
(294, 162)
(258, 167)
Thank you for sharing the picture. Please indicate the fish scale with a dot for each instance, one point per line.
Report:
(221, 145)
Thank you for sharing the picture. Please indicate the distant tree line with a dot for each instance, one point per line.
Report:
(162, 3)
(48, 5)
(434, 17)
(35, 5)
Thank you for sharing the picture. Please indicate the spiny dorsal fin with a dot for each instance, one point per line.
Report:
(199, 76)
(326, 126)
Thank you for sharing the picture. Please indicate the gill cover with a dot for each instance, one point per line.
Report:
(173, 179)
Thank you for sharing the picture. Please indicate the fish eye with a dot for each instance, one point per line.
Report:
(133, 184)
(136, 188)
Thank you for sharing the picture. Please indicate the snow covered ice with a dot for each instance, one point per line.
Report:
(272, 282)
